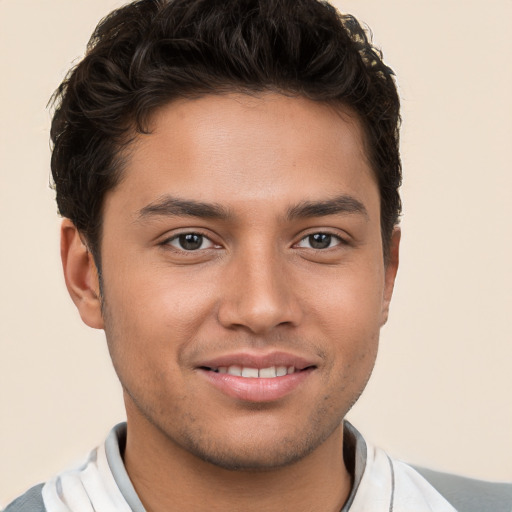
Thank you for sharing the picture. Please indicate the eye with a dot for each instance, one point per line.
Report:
(320, 241)
(190, 242)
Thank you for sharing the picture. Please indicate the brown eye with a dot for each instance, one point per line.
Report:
(190, 242)
(319, 241)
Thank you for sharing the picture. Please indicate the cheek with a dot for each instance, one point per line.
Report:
(348, 312)
(151, 317)
(151, 294)
(349, 299)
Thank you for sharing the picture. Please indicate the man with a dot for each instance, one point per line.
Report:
(228, 175)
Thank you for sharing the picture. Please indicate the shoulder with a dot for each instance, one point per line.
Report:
(31, 501)
(468, 494)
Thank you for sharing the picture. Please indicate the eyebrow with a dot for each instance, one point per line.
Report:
(344, 204)
(170, 206)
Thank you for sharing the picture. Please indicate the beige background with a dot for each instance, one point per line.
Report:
(441, 392)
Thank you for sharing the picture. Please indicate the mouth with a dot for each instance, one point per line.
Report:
(256, 377)
(270, 372)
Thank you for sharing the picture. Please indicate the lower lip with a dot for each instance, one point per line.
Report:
(256, 389)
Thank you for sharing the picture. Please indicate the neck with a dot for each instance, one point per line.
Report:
(167, 477)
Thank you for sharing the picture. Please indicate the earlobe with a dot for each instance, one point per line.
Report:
(81, 275)
(390, 271)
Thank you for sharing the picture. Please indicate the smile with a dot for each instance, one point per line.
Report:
(255, 373)
(249, 377)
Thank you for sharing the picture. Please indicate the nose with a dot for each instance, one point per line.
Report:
(258, 294)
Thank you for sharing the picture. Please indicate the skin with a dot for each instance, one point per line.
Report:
(255, 285)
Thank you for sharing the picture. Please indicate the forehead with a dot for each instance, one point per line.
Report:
(239, 148)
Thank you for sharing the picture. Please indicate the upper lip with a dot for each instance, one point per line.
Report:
(255, 360)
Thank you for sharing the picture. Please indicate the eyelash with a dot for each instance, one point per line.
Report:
(168, 242)
(204, 238)
(331, 236)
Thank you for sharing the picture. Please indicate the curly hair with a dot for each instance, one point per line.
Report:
(150, 52)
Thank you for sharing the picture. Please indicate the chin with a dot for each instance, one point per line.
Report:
(252, 458)
(258, 449)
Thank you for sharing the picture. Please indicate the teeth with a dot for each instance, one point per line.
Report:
(235, 370)
(250, 372)
(268, 373)
(254, 373)
(281, 370)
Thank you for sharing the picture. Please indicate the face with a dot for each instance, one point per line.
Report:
(243, 276)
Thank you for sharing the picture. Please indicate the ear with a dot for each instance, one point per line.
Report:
(390, 270)
(81, 275)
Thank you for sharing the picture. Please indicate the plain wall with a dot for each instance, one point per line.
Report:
(440, 395)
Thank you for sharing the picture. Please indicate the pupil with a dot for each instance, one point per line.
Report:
(320, 240)
(191, 241)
